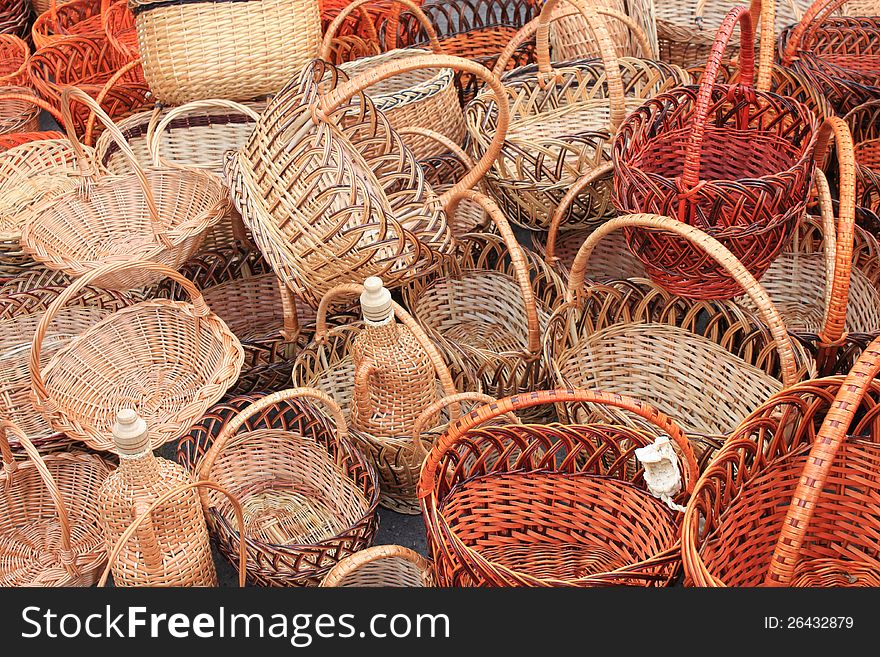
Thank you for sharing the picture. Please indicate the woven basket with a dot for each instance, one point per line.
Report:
(381, 566)
(314, 184)
(224, 48)
(710, 363)
(15, 17)
(839, 55)
(864, 122)
(168, 360)
(157, 214)
(571, 37)
(78, 17)
(19, 110)
(550, 505)
(14, 54)
(498, 340)
(370, 20)
(560, 132)
(734, 161)
(309, 497)
(117, 21)
(19, 138)
(49, 539)
(789, 500)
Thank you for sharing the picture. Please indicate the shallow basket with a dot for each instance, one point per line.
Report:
(550, 505)
(381, 566)
(864, 122)
(309, 497)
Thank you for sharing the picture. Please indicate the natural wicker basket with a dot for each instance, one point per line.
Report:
(157, 214)
(309, 497)
(314, 184)
(551, 505)
(19, 110)
(789, 500)
(571, 38)
(864, 122)
(562, 131)
(14, 54)
(381, 566)
(49, 533)
(168, 360)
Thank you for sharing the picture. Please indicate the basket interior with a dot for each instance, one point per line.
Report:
(419, 81)
(388, 571)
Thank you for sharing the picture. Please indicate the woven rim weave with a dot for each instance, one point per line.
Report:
(381, 566)
(76, 17)
(14, 54)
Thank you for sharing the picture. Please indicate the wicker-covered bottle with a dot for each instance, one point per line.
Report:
(172, 547)
(394, 375)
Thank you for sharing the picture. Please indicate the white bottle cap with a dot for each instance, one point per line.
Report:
(376, 303)
(130, 432)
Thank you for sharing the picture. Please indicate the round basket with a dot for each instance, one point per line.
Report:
(864, 122)
(309, 497)
(381, 566)
(157, 214)
(571, 37)
(49, 539)
(314, 184)
(20, 110)
(15, 17)
(734, 161)
(168, 360)
(789, 499)
(14, 54)
(78, 17)
(551, 505)
(562, 123)
(117, 21)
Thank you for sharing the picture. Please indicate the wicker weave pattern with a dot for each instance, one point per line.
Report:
(864, 122)
(19, 110)
(117, 21)
(14, 54)
(381, 565)
(77, 17)
(571, 37)
(14, 17)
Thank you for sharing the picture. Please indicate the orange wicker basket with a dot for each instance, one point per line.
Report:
(15, 17)
(14, 54)
(117, 21)
(81, 17)
(864, 121)
(20, 110)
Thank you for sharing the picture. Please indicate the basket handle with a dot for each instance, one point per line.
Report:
(38, 385)
(478, 416)
(818, 464)
(68, 558)
(711, 247)
(155, 131)
(738, 15)
(368, 555)
(231, 427)
(565, 203)
(111, 82)
(74, 93)
(517, 257)
(441, 139)
(412, 7)
(164, 498)
(341, 94)
(818, 12)
(34, 100)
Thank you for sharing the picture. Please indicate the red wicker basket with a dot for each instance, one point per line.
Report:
(734, 161)
(369, 21)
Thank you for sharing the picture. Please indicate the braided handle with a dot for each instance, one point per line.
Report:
(718, 252)
(818, 12)
(162, 499)
(561, 209)
(818, 464)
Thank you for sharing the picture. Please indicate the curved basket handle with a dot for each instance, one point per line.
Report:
(738, 15)
(68, 558)
(763, 13)
(478, 416)
(154, 132)
(164, 498)
(412, 7)
(561, 209)
(112, 80)
(38, 385)
(34, 100)
(711, 247)
(376, 553)
(441, 139)
(818, 12)
(77, 94)
(818, 464)
(341, 94)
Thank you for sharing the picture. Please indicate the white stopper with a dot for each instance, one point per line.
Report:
(130, 432)
(662, 473)
(376, 302)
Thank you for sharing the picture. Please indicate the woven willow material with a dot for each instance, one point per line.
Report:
(309, 497)
(734, 161)
(49, 534)
(158, 214)
(709, 363)
(370, 20)
(562, 131)
(19, 110)
(839, 55)
(571, 37)
(550, 505)
(19, 138)
(117, 21)
(791, 499)
(222, 48)
(78, 17)
(21, 308)
(168, 360)
(14, 54)
(497, 339)
(14, 17)
(330, 192)
(380, 566)
(864, 122)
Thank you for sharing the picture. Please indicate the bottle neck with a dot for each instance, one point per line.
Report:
(381, 332)
(139, 468)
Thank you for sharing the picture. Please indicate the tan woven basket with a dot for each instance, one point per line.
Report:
(381, 566)
(168, 360)
(19, 110)
(194, 50)
(571, 37)
(155, 214)
(314, 184)
(49, 533)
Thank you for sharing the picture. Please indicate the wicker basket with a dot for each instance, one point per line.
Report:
(560, 132)
(571, 37)
(789, 500)
(49, 539)
(19, 138)
(309, 497)
(78, 17)
(734, 161)
(365, 27)
(157, 214)
(381, 566)
(234, 49)
(168, 360)
(14, 54)
(314, 181)
(710, 363)
(15, 17)
(551, 505)
(19, 110)
(118, 23)
(864, 122)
